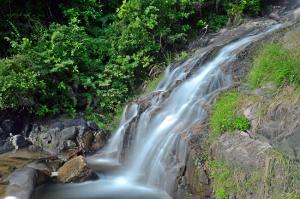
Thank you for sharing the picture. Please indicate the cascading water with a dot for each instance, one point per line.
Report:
(156, 148)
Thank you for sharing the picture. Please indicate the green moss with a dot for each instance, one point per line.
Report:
(275, 64)
(225, 116)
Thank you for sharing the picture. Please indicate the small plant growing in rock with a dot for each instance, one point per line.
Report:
(242, 123)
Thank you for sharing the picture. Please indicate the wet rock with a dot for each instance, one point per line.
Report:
(194, 182)
(75, 170)
(196, 177)
(275, 16)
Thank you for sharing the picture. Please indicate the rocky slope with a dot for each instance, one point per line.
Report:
(262, 162)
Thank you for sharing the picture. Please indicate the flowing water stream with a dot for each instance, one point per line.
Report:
(149, 149)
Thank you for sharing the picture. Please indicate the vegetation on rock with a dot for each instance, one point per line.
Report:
(277, 62)
(225, 115)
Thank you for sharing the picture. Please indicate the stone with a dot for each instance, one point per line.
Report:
(59, 136)
(19, 141)
(75, 170)
(22, 183)
(265, 91)
(85, 140)
(196, 178)
(275, 16)
(6, 146)
(99, 141)
(239, 149)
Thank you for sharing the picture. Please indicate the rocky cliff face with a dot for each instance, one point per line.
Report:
(262, 162)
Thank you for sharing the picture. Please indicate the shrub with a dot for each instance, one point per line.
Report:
(18, 83)
(217, 21)
(236, 8)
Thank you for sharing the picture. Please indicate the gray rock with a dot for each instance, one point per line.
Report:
(22, 182)
(275, 16)
(60, 136)
(239, 149)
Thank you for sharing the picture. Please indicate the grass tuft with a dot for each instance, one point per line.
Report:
(275, 64)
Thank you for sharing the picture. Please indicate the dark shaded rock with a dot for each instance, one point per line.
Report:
(19, 141)
(194, 183)
(9, 126)
(6, 146)
(75, 170)
(3, 134)
(93, 126)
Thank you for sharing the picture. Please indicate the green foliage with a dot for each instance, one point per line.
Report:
(241, 123)
(221, 194)
(217, 22)
(90, 56)
(18, 83)
(236, 8)
(225, 115)
(275, 64)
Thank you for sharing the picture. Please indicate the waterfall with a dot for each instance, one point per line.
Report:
(153, 137)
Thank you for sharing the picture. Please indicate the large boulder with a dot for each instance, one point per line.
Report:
(58, 136)
(239, 149)
(22, 182)
(75, 170)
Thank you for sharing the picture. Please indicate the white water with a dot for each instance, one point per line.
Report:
(153, 141)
